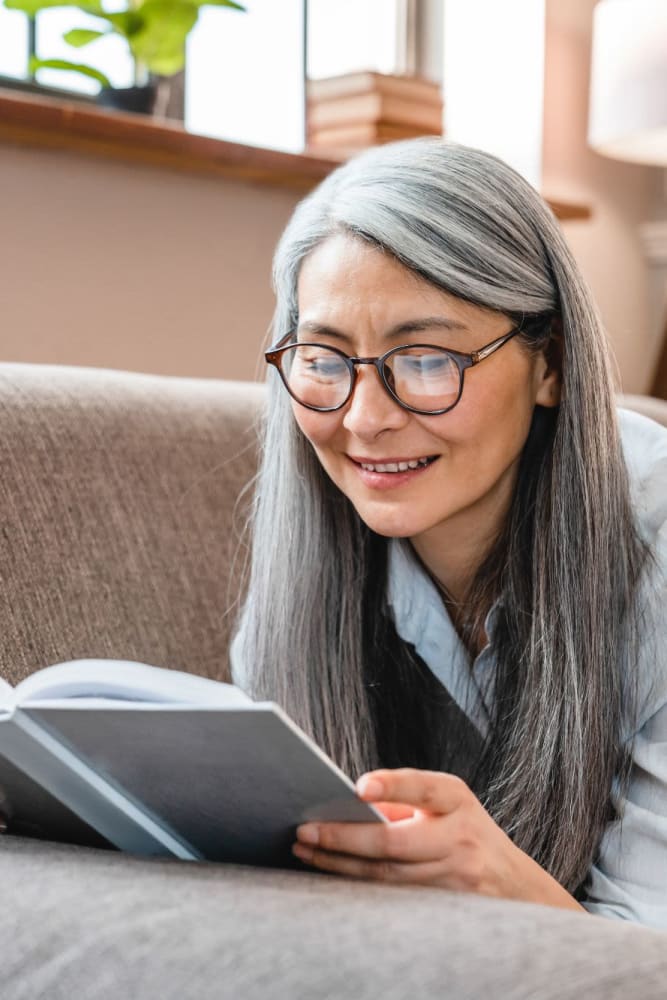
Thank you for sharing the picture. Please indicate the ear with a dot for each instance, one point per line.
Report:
(549, 367)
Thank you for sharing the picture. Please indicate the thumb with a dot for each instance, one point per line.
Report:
(394, 810)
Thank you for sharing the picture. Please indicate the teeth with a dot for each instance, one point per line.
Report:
(395, 466)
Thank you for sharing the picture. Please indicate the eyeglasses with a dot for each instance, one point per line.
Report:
(422, 378)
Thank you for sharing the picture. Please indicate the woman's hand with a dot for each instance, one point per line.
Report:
(438, 834)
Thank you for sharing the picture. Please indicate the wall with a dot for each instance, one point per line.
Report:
(106, 264)
(111, 265)
(622, 196)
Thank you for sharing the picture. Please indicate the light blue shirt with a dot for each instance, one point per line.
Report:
(630, 879)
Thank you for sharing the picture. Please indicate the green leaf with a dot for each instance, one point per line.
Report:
(70, 67)
(78, 37)
(220, 3)
(33, 7)
(160, 44)
(126, 22)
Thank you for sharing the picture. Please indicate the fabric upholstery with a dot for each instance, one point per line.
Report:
(95, 926)
(120, 518)
(118, 530)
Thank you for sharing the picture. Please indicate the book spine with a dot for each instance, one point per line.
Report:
(362, 135)
(352, 84)
(367, 108)
(101, 804)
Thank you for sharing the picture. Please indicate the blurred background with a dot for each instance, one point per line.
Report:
(143, 240)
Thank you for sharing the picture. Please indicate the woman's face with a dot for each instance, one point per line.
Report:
(351, 296)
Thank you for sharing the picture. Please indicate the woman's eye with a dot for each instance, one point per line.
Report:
(425, 364)
(324, 366)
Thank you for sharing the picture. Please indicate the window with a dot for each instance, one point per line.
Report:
(244, 78)
(244, 71)
(494, 80)
(108, 54)
(351, 35)
(13, 43)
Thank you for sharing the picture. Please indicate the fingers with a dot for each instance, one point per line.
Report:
(439, 833)
(420, 805)
(409, 840)
(431, 791)
(394, 810)
(381, 870)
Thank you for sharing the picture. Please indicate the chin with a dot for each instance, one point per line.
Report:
(389, 531)
(392, 526)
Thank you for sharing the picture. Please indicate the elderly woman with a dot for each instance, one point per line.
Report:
(458, 546)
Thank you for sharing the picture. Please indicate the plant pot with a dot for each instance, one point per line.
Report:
(137, 99)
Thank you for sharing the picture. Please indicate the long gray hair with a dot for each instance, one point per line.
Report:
(566, 565)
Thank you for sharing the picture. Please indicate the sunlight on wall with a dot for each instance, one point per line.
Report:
(494, 79)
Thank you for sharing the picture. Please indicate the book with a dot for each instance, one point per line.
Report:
(359, 136)
(349, 84)
(157, 762)
(373, 107)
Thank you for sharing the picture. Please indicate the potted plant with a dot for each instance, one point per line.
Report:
(155, 32)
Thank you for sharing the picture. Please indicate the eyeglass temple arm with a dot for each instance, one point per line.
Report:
(484, 352)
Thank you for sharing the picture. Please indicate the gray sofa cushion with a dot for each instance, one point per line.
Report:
(93, 925)
(117, 534)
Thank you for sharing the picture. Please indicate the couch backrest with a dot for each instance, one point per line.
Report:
(121, 516)
(117, 529)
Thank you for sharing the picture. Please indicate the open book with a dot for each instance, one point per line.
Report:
(159, 762)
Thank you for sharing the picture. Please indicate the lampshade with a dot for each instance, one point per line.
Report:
(628, 98)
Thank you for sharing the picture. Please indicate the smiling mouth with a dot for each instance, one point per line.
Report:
(405, 466)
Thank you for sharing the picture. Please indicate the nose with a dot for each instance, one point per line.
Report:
(371, 410)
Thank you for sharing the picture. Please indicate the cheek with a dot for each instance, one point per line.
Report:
(319, 428)
(493, 416)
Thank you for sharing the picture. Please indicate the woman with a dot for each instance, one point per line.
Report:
(457, 577)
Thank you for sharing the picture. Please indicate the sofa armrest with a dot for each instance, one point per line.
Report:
(649, 406)
(95, 924)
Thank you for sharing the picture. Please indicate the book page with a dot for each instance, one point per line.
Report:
(122, 680)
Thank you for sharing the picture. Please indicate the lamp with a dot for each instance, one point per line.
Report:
(628, 95)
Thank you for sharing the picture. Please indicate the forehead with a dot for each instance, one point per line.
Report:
(346, 277)
(348, 264)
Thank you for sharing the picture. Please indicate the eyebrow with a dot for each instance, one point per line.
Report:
(399, 330)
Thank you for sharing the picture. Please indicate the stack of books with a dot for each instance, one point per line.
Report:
(348, 113)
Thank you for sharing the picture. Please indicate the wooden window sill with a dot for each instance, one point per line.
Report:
(44, 122)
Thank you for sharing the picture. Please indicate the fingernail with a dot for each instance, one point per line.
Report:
(308, 834)
(370, 788)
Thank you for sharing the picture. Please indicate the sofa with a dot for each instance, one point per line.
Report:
(122, 503)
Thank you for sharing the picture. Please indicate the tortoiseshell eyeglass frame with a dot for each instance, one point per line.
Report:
(462, 361)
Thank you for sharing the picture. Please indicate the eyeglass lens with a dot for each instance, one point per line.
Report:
(425, 378)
